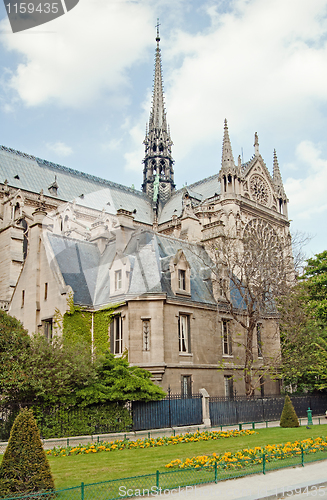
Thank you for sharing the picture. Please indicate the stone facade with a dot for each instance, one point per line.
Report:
(64, 232)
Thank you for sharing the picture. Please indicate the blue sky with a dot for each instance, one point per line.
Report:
(77, 91)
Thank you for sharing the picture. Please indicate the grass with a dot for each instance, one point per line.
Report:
(92, 468)
(70, 471)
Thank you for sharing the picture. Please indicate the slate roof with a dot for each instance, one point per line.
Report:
(87, 272)
(205, 188)
(32, 174)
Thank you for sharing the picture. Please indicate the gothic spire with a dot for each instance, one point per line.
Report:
(158, 112)
(278, 183)
(277, 178)
(227, 159)
(158, 162)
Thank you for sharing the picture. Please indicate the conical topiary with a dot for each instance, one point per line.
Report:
(289, 417)
(25, 467)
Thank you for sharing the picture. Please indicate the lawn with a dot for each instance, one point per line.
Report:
(91, 468)
(71, 471)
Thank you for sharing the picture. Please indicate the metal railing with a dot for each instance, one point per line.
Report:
(178, 479)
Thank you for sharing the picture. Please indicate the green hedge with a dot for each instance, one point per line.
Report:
(58, 421)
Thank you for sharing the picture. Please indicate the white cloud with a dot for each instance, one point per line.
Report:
(133, 158)
(308, 194)
(85, 52)
(60, 148)
(265, 60)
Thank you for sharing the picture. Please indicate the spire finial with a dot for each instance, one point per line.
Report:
(157, 26)
(256, 144)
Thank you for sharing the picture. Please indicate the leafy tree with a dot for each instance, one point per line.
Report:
(315, 279)
(250, 269)
(58, 370)
(24, 467)
(14, 352)
(289, 416)
(303, 323)
(118, 381)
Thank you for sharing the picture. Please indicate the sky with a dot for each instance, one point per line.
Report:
(77, 91)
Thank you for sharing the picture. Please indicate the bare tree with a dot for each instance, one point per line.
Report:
(251, 268)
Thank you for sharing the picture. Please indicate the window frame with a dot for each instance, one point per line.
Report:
(186, 386)
(118, 280)
(48, 329)
(259, 340)
(229, 386)
(226, 336)
(182, 279)
(184, 337)
(116, 335)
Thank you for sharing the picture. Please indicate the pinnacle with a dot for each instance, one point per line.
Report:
(277, 178)
(227, 159)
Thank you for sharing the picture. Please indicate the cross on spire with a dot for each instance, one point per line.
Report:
(157, 26)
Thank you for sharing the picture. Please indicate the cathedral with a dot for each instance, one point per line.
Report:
(65, 233)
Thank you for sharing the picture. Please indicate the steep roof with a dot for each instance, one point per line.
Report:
(32, 174)
(87, 272)
(206, 188)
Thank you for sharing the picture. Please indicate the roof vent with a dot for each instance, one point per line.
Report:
(53, 188)
(16, 176)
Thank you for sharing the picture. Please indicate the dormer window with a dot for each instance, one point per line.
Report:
(182, 279)
(119, 274)
(118, 280)
(180, 274)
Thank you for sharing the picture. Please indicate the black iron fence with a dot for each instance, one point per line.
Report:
(173, 411)
(56, 421)
(224, 411)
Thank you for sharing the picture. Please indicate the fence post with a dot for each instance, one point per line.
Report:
(157, 479)
(302, 457)
(169, 407)
(82, 491)
(216, 480)
(264, 464)
(67, 442)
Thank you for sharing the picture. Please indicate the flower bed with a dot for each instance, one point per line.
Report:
(252, 456)
(146, 443)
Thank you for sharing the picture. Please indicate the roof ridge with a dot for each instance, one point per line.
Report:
(197, 183)
(162, 235)
(72, 171)
(69, 238)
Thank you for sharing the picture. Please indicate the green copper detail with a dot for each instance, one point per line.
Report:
(156, 188)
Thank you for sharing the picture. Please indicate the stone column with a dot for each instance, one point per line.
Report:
(205, 407)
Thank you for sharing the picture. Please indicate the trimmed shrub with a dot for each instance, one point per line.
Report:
(25, 467)
(289, 417)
